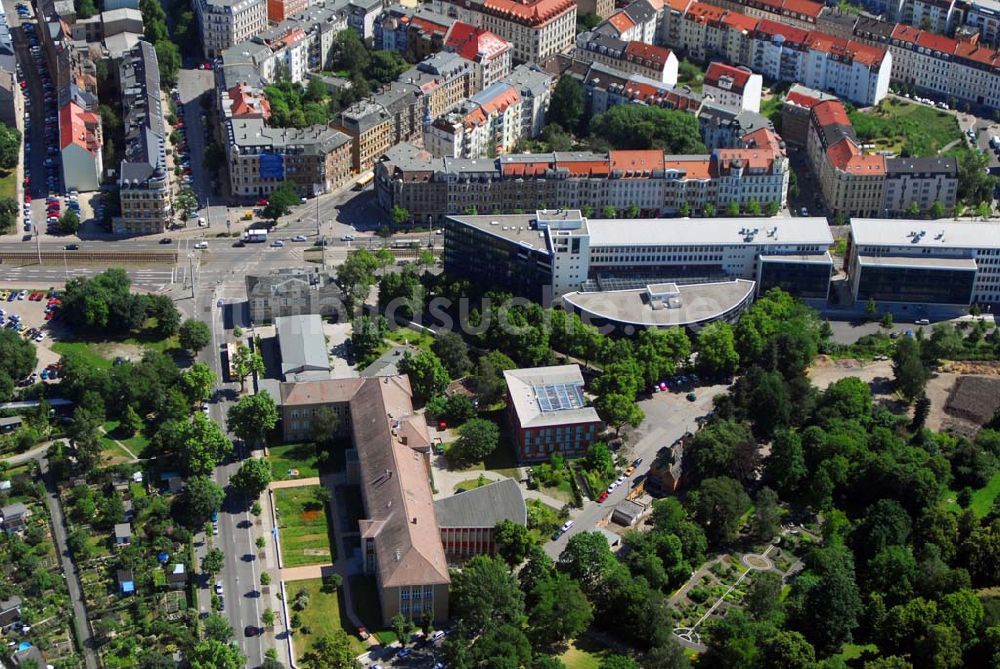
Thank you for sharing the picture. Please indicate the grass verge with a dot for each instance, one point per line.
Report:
(323, 609)
(982, 499)
(286, 457)
(364, 596)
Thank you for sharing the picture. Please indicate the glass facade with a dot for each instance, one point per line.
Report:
(916, 284)
(496, 263)
(801, 279)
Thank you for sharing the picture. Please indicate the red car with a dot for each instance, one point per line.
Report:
(262, 202)
(603, 496)
(27, 198)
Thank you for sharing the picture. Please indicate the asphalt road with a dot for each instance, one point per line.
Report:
(668, 416)
(191, 85)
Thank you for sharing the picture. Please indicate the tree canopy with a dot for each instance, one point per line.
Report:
(648, 127)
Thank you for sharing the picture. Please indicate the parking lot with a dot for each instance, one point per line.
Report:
(32, 312)
(422, 654)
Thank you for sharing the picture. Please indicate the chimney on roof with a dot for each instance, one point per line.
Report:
(414, 521)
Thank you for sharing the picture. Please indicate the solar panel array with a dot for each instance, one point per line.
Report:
(559, 396)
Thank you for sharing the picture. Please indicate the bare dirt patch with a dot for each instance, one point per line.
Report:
(309, 516)
(974, 398)
(827, 370)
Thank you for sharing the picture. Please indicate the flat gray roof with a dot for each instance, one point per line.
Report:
(920, 234)
(483, 507)
(545, 396)
(924, 262)
(804, 258)
(513, 227)
(302, 344)
(699, 303)
(703, 231)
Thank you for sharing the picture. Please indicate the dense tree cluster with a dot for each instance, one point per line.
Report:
(295, 106)
(646, 127)
(104, 305)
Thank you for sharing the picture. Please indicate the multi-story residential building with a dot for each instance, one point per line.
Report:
(547, 413)
(397, 114)
(279, 10)
(781, 51)
(796, 112)
(936, 65)
(726, 128)
(224, 23)
(924, 267)
(601, 8)
(317, 159)
(535, 28)
(855, 183)
(647, 60)
(468, 521)
(801, 13)
(656, 184)
(551, 254)
(244, 102)
(984, 16)
(292, 292)
(938, 16)
(489, 54)
(487, 125)
(289, 53)
(362, 16)
(637, 22)
(733, 87)
(80, 143)
(604, 87)
(414, 33)
(142, 178)
(534, 86)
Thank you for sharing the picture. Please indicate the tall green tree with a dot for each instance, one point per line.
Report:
(200, 498)
(198, 382)
(246, 363)
(252, 417)
(477, 439)
(560, 611)
(485, 595)
(214, 654)
(566, 107)
(428, 377)
(908, 368)
(647, 127)
(453, 352)
(513, 541)
(10, 146)
(719, 504)
(194, 335)
(717, 354)
(252, 477)
(618, 411)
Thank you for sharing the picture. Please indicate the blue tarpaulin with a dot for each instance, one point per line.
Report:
(272, 166)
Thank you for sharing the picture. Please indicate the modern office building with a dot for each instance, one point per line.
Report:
(143, 180)
(924, 266)
(547, 413)
(547, 254)
(468, 520)
(224, 23)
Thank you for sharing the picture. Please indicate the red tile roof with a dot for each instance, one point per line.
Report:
(428, 26)
(529, 13)
(739, 75)
(657, 54)
(73, 127)
(473, 43)
(803, 7)
(790, 33)
(507, 96)
(847, 157)
(637, 161)
(694, 168)
(703, 13)
(802, 100)
(621, 22)
(830, 112)
(963, 50)
(739, 22)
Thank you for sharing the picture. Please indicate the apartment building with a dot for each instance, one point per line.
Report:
(655, 183)
(733, 87)
(534, 86)
(143, 182)
(796, 112)
(938, 16)
(487, 125)
(647, 60)
(300, 401)
(279, 10)
(244, 102)
(489, 53)
(287, 55)
(943, 67)
(601, 8)
(801, 13)
(413, 32)
(396, 114)
(856, 183)
(984, 17)
(534, 28)
(317, 159)
(637, 21)
(547, 413)
(604, 87)
(553, 254)
(925, 267)
(224, 23)
(80, 143)
(781, 51)
(727, 128)
(362, 16)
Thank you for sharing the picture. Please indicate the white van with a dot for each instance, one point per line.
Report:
(201, 245)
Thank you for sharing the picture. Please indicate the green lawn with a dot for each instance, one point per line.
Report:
(364, 596)
(472, 484)
(8, 184)
(303, 528)
(893, 125)
(582, 654)
(982, 499)
(420, 340)
(137, 443)
(90, 352)
(323, 609)
(293, 456)
(852, 651)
